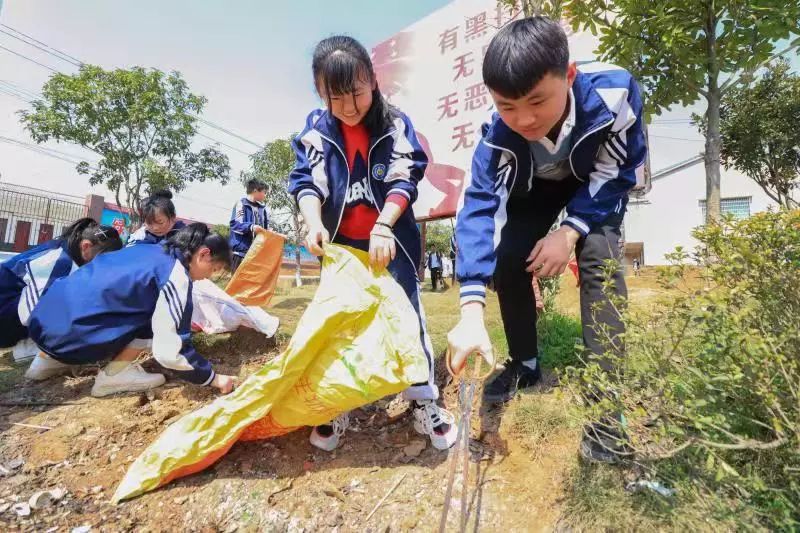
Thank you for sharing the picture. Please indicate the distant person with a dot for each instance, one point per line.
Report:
(355, 180)
(124, 303)
(26, 277)
(159, 219)
(248, 216)
(453, 256)
(435, 266)
(636, 267)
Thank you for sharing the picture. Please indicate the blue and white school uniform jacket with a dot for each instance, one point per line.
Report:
(27, 276)
(142, 236)
(608, 154)
(244, 216)
(138, 292)
(395, 164)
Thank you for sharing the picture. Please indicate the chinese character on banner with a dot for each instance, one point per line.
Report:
(504, 14)
(476, 97)
(448, 39)
(462, 71)
(476, 26)
(447, 106)
(463, 134)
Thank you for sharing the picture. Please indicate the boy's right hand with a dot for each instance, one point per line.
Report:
(469, 336)
(316, 238)
(225, 384)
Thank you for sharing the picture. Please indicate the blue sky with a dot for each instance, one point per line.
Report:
(250, 58)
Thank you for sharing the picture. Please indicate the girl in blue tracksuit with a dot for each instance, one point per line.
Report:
(27, 276)
(125, 302)
(160, 221)
(355, 178)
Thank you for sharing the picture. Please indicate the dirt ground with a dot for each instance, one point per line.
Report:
(56, 436)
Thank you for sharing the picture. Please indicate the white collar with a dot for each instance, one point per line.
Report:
(566, 128)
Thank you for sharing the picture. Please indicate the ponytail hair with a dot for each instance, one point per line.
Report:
(103, 238)
(338, 63)
(187, 241)
(158, 202)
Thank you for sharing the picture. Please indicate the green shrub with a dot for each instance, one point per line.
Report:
(710, 383)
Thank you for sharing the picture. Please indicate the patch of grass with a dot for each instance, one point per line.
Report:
(537, 418)
(10, 372)
(558, 335)
(597, 501)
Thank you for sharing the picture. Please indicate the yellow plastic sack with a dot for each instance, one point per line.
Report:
(255, 280)
(358, 341)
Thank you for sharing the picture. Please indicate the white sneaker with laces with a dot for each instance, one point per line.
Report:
(45, 367)
(435, 422)
(329, 442)
(132, 379)
(25, 350)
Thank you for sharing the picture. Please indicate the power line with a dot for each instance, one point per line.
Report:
(77, 62)
(221, 143)
(45, 50)
(51, 69)
(676, 138)
(229, 132)
(44, 151)
(67, 56)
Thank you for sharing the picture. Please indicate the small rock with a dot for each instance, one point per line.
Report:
(81, 529)
(16, 463)
(45, 498)
(73, 429)
(415, 448)
(96, 490)
(308, 466)
(180, 500)
(335, 520)
(22, 509)
(246, 467)
(333, 492)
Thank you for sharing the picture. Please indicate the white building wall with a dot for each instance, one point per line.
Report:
(672, 210)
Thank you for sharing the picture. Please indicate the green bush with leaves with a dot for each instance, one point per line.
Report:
(710, 383)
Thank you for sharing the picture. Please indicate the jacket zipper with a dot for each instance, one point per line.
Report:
(574, 146)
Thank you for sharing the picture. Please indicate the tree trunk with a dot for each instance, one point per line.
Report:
(712, 159)
(713, 140)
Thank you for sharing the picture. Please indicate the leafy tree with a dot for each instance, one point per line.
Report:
(141, 123)
(761, 138)
(437, 236)
(684, 50)
(272, 165)
(550, 8)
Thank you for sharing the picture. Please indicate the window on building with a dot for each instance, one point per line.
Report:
(739, 207)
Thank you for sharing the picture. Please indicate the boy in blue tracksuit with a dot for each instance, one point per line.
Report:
(27, 276)
(123, 303)
(563, 137)
(355, 179)
(247, 216)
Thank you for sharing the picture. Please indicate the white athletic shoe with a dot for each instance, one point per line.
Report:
(132, 379)
(435, 422)
(327, 438)
(45, 367)
(25, 350)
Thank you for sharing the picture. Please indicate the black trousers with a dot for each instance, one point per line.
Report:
(436, 277)
(529, 219)
(236, 260)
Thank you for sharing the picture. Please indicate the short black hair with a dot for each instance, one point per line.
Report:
(158, 202)
(254, 185)
(522, 53)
